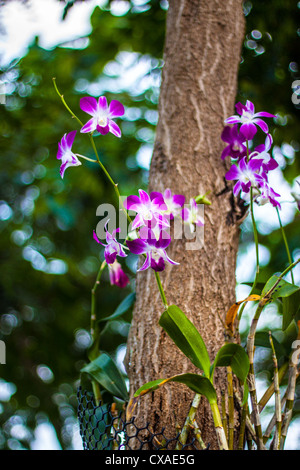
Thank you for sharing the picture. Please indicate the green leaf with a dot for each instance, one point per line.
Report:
(290, 308)
(106, 373)
(122, 308)
(283, 289)
(235, 356)
(186, 337)
(198, 383)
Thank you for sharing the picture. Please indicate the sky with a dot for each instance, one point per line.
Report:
(21, 23)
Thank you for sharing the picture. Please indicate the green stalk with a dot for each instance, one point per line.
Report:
(218, 426)
(161, 290)
(255, 233)
(230, 408)
(285, 243)
(95, 385)
(188, 422)
(93, 299)
(277, 435)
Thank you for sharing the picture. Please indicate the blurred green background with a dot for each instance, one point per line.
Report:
(48, 257)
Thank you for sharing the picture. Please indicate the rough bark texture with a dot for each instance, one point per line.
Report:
(202, 55)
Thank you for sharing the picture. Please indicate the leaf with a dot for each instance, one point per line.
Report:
(186, 337)
(122, 308)
(235, 356)
(283, 289)
(106, 373)
(290, 308)
(232, 312)
(198, 383)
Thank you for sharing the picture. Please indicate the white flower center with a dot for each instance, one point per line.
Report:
(102, 120)
(246, 117)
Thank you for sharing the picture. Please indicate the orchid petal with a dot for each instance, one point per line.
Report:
(103, 130)
(116, 109)
(88, 104)
(90, 126)
(102, 104)
(114, 128)
(248, 130)
(261, 124)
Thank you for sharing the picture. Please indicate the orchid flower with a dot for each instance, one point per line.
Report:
(191, 216)
(261, 152)
(173, 202)
(149, 211)
(102, 115)
(153, 248)
(235, 141)
(267, 194)
(117, 276)
(249, 119)
(247, 174)
(113, 248)
(65, 154)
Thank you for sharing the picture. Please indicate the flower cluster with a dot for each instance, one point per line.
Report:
(151, 224)
(102, 121)
(153, 212)
(249, 169)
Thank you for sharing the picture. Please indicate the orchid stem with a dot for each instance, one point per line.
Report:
(65, 104)
(285, 243)
(161, 290)
(93, 299)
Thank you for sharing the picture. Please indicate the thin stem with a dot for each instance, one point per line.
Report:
(65, 104)
(243, 427)
(93, 299)
(230, 408)
(161, 290)
(255, 233)
(224, 414)
(285, 243)
(86, 158)
(251, 376)
(277, 436)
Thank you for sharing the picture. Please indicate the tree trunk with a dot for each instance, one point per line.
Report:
(202, 56)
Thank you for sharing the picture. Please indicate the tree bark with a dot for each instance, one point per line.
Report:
(199, 83)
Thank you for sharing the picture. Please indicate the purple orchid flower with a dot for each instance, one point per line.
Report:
(113, 248)
(153, 248)
(267, 194)
(235, 141)
(248, 174)
(65, 154)
(261, 152)
(249, 119)
(191, 216)
(173, 202)
(149, 211)
(117, 276)
(102, 115)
